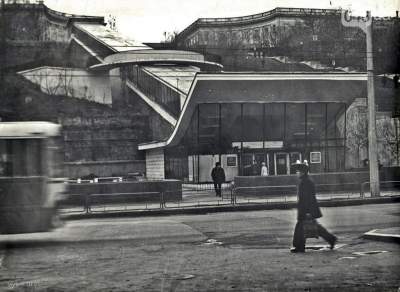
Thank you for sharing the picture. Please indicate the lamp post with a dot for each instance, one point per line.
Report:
(366, 25)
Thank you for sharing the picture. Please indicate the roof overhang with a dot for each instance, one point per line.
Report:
(265, 88)
(156, 57)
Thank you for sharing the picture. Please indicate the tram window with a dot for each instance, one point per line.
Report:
(20, 157)
(55, 157)
(4, 168)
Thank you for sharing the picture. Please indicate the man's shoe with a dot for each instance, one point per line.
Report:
(332, 243)
(297, 250)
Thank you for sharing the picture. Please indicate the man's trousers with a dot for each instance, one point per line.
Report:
(299, 242)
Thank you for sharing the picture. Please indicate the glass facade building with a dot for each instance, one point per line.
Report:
(242, 135)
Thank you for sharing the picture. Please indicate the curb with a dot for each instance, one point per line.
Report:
(385, 237)
(228, 208)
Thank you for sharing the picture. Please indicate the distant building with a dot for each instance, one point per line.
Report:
(298, 34)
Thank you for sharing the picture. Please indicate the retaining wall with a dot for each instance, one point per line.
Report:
(172, 190)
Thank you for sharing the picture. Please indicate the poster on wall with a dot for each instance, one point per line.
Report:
(231, 161)
(315, 157)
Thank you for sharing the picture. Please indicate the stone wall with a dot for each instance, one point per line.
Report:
(104, 168)
(308, 37)
(36, 34)
(30, 23)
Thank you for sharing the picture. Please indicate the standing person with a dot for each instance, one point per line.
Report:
(307, 207)
(396, 81)
(264, 169)
(254, 168)
(218, 177)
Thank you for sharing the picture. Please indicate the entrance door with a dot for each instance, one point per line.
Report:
(247, 163)
(281, 163)
(251, 163)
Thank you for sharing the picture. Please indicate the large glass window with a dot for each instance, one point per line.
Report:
(316, 121)
(295, 121)
(209, 119)
(252, 122)
(176, 163)
(274, 121)
(231, 126)
(335, 115)
(190, 138)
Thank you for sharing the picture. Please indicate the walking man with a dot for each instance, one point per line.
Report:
(307, 207)
(218, 177)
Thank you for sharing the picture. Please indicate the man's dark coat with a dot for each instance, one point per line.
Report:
(307, 200)
(218, 175)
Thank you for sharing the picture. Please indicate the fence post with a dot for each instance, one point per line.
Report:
(362, 190)
(162, 203)
(87, 203)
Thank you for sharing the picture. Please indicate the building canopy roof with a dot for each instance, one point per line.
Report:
(156, 57)
(265, 88)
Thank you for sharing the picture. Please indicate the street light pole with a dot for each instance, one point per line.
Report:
(366, 25)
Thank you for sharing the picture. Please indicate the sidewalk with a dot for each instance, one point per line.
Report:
(386, 234)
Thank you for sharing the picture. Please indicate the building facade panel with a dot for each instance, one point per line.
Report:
(155, 164)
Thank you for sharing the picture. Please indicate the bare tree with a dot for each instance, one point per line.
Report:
(386, 132)
(357, 133)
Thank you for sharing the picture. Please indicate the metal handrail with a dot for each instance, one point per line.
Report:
(362, 186)
(89, 198)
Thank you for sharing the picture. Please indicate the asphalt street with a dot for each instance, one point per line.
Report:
(238, 251)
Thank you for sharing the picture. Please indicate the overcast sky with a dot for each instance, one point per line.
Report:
(147, 20)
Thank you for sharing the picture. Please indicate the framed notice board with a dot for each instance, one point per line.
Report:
(315, 157)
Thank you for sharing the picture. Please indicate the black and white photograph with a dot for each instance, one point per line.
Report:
(186, 145)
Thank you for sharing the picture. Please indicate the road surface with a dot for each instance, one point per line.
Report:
(238, 251)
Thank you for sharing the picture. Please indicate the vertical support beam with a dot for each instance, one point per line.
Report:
(263, 128)
(198, 143)
(284, 121)
(241, 139)
(326, 139)
(396, 127)
(366, 25)
(305, 131)
(219, 133)
(345, 136)
(372, 140)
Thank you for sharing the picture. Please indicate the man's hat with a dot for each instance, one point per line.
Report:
(301, 166)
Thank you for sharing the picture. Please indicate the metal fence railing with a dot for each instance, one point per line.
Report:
(382, 184)
(205, 197)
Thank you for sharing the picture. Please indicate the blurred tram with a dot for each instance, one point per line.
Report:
(31, 171)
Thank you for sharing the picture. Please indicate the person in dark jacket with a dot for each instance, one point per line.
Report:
(218, 177)
(307, 207)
